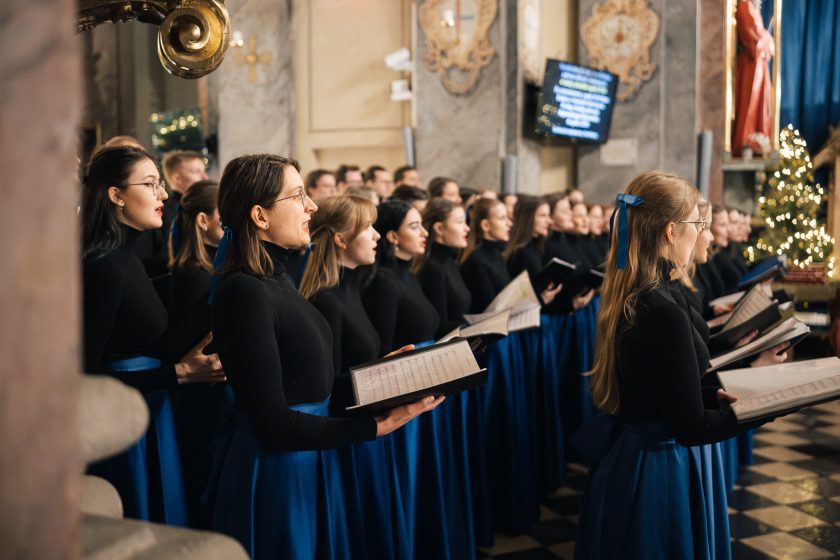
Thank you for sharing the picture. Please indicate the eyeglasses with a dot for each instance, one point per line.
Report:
(701, 225)
(153, 186)
(301, 194)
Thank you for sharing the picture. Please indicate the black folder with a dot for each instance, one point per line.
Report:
(555, 271)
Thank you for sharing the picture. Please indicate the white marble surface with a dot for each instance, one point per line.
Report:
(256, 116)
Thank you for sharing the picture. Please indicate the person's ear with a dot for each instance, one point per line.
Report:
(259, 217)
(202, 220)
(437, 229)
(115, 196)
(392, 237)
(484, 225)
(670, 232)
(339, 242)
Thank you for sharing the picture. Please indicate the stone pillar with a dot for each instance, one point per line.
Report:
(711, 95)
(661, 119)
(467, 136)
(39, 334)
(256, 116)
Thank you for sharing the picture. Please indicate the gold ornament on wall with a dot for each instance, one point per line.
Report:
(457, 45)
(618, 37)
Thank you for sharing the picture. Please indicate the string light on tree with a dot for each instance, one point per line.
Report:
(789, 207)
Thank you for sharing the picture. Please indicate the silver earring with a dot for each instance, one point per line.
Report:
(122, 207)
(266, 226)
(205, 229)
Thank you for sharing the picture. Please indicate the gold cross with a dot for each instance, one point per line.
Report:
(251, 58)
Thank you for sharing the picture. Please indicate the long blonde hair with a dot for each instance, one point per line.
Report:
(346, 215)
(667, 198)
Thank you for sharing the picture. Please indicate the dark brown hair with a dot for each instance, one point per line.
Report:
(437, 184)
(313, 176)
(248, 181)
(409, 193)
(479, 211)
(109, 167)
(201, 197)
(436, 211)
(523, 223)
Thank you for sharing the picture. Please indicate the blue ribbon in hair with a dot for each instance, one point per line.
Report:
(622, 201)
(175, 231)
(221, 253)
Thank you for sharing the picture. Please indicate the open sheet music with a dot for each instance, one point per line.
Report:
(442, 369)
(515, 295)
(494, 325)
(788, 330)
(754, 311)
(730, 299)
(774, 390)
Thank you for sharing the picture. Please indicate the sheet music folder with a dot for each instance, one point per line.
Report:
(555, 271)
(755, 311)
(441, 369)
(770, 391)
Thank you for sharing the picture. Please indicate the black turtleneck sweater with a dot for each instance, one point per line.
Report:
(354, 338)
(398, 308)
(728, 271)
(558, 246)
(277, 351)
(485, 273)
(152, 245)
(190, 314)
(443, 285)
(527, 257)
(123, 316)
(662, 359)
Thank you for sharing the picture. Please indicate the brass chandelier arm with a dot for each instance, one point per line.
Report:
(193, 35)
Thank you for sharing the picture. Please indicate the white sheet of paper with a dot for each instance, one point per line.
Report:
(414, 372)
(495, 324)
(769, 389)
(518, 293)
(786, 330)
(526, 319)
(753, 303)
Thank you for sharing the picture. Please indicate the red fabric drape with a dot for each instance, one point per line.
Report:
(753, 87)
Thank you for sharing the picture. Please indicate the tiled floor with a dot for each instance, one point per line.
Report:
(785, 506)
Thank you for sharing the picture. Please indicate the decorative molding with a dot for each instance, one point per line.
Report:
(458, 61)
(618, 37)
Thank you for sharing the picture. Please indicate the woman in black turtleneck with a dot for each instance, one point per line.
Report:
(125, 320)
(344, 240)
(394, 300)
(483, 267)
(438, 270)
(199, 408)
(277, 353)
(531, 220)
(722, 260)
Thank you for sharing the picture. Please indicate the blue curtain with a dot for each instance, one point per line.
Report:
(810, 68)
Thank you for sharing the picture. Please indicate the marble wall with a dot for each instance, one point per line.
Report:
(40, 339)
(466, 137)
(256, 116)
(661, 118)
(711, 96)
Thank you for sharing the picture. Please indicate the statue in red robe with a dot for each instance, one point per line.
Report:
(753, 87)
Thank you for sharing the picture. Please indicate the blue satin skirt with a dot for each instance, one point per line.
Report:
(648, 496)
(280, 505)
(509, 429)
(731, 464)
(148, 475)
(431, 483)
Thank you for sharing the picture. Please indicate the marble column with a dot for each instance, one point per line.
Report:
(661, 119)
(466, 137)
(256, 116)
(40, 341)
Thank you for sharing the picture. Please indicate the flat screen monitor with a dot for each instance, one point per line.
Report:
(576, 103)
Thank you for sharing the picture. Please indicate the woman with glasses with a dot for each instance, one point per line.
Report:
(125, 324)
(651, 492)
(278, 488)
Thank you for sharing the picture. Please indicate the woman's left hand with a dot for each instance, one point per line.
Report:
(725, 399)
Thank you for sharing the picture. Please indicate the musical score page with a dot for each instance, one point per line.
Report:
(415, 372)
(762, 391)
(753, 303)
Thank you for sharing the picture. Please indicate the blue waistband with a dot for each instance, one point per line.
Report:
(647, 428)
(135, 363)
(317, 408)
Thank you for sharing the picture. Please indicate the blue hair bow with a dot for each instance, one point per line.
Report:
(221, 253)
(175, 231)
(622, 201)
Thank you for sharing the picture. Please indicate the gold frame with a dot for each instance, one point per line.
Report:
(442, 55)
(729, 78)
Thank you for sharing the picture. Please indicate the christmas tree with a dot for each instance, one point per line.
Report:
(789, 207)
